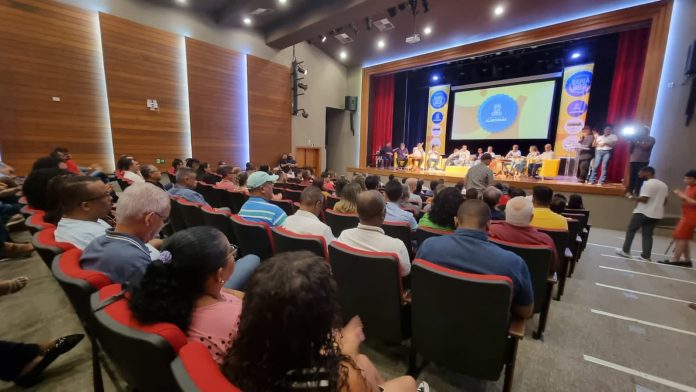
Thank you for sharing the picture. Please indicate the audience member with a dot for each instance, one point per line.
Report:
(684, 232)
(472, 194)
(648, 211)
(340, 184)
(328, 184)
(414, 196)
(349, 199)
(575, 202)
(282, 177)
(227, 180)
(131, 170)
(242, 182)
(305, 178)
(557, 205)
(468, 250)
(24, 363)
(318, 182)
(189, 287)
(93, 170)
(491, 196)
(84, 202)
(393, 191)
(443, 210)
(205, 174)
(360, 179)
(372, 182)
(516, 228)
(305, 220)
(544, 218)
(480, 176)
(193, 163)
(122, 253)
(176, 165)
(35, 189)
(49, 163)
(505, 196)
(121, 162)
(516, 192)
(152, 175)
(185, 185)
(289, 337)
(369, 234)
(258, 208)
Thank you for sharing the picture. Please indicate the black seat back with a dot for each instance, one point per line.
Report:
(285, 205)
(254, 238)
(176, 216)
(220, 220)
(423, 233)
(339, 222)
(401, 231)
(369, 285)
(234, 201)
(461, 320)
(288, 241)
(193, 216)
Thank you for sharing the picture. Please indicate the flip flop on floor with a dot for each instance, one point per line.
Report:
(62, 346)
(14, 285)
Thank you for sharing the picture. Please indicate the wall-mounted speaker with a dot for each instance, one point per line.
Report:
(351, 103)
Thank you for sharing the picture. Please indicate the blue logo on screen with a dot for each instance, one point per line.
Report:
(578, 84)
(437, 117)
(438, 99)
(577, 108)
(497, 113)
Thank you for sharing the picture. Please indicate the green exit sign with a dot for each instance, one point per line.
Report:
(159, 160)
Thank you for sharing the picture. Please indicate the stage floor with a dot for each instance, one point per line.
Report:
(559, 184)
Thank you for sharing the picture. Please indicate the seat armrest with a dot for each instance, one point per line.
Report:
(516, 329)
(578, 238)
(551, 280)
(584, 230)
(568, 253)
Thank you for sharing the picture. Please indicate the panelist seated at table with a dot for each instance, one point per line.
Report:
(401, 156)
(454, 159)
(464, 153)
(433, 157)
(490, 152)
(418, 155)
(386, 154)
(533, 161)
(516, 163)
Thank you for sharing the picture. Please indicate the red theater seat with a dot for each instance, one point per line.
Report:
(47, 247)
(423, 233)
(191, 212)
(35, 222)
(142, 353)
(195, 370)
(288, 241)
(339, 222)
(254, 238)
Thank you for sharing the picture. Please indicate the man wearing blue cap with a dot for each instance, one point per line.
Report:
(257, 208)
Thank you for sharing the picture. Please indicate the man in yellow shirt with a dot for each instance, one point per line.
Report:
(543, 217)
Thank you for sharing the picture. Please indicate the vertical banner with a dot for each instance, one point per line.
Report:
(438, 102)
(573, 110)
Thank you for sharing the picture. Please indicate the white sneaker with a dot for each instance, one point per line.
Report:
(423, 387)
(621, 253)
(641, 258)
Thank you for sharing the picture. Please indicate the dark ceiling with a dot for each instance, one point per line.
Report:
(453, 22)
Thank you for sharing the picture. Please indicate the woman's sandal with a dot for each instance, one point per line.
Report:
(14, 285)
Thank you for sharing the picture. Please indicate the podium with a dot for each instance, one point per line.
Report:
(308, 156)
(570, 162)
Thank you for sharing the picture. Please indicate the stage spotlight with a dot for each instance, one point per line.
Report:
(427, 30)
(247, 21)
(323, 39)
(499, 10)
(343, 55)
(435, 78)
(628, 130)
(380, 44)
(575, 55)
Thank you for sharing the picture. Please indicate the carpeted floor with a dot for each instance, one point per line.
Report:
(632, 355)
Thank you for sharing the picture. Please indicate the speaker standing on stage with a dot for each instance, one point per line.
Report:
(586, 153)
(604, 147)
(641, 147)
(480, 176)
(401, 156)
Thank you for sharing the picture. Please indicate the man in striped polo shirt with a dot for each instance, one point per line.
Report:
(257, 208)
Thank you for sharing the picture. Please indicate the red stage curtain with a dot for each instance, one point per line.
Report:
(381, 111)
(625, 88)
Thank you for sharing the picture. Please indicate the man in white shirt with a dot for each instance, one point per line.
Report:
(489, 150)
(370, 236)
(305, 220)
(84, 201)
(393, 190)
(604, 145)
(548, 152)
(464, 153)
(131, 170)
(649, 210)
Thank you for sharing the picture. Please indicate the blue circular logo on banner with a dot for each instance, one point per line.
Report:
(577, 108)
(438, 99)
(497, 113)
(578, 84)
(437, 117)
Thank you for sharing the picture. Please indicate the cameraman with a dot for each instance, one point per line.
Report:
(641, 147)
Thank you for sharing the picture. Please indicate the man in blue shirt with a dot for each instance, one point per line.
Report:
(394, 190)
(257, 208)
(468, 250)
(185, 185)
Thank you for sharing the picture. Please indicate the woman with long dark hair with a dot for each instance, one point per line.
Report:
(185, 288)
(443, 210)
(289, 337)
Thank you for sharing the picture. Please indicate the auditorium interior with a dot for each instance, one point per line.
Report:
(545, 95)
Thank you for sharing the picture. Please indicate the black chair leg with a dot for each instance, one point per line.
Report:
(562, 275)
(413, 368)
(510, 367)
(96, 367)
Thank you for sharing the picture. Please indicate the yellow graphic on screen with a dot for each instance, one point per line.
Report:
(533, 111)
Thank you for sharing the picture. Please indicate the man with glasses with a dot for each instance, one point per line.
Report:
(152, 175)
(258, 208)
(185, 185)
(122, 253)
(84, 202)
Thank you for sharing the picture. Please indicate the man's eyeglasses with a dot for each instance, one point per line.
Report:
(102, 196)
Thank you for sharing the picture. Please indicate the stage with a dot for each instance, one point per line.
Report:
(558, 184)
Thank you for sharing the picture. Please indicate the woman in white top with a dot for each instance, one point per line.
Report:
(433, 157)
(417, 156)
(515, 156)
(534, 161)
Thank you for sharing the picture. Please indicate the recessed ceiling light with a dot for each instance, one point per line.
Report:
(282, 1)
(323, 39)
(427, 30)
(343, 55)
(499, 10)
(435, 78)
(380, 44)
(247, 21)
(575, 55)
(182, 2)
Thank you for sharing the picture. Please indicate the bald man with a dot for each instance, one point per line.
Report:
(517, 227)
(369, 234)
(468, 250)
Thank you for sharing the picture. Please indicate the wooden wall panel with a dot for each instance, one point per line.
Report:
(145, 63)
(270, 120)
(47, 50)
(217, 103)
